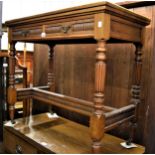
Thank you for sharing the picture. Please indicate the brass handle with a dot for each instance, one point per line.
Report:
(19, 149)
(65, 29)
(25, 33)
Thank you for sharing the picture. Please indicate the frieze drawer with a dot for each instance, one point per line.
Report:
(26, 33)
(71, 29)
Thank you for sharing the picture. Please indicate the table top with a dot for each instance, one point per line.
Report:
(86, 24)
(55, 134)
(93, 8)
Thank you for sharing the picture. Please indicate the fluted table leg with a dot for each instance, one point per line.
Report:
(97, 120)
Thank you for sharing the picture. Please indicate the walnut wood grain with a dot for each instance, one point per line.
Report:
(120, 60)
(60, 135)
(111, 24)
(97, 121)
(24, 29)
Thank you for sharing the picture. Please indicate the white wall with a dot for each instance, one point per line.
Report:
(13, 9)
(19, 8)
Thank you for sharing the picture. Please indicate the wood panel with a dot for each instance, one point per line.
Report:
(1, 100)
(149, 131)
(141, 134)
(1, 65)
(40, 69)
(75, 74)
(40, 66)
(147, 62)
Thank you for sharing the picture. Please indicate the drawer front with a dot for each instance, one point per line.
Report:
(80, 26)
(27, 33)
(61, 30)
(14, 144)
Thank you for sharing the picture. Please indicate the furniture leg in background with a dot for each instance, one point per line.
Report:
(51, 73)
(26, 102)
(135, 90)
(12, 94)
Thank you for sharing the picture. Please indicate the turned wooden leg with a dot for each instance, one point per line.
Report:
(97, 120)
(26, 102)
(26, 107)
(12, 94)
(51, 76)
(135, 90)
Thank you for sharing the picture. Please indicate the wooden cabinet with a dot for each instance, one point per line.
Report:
(16, 145)
(99, 23)
(44, 134)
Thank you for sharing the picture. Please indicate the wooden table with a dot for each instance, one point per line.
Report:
(99, 23)
(43, 134)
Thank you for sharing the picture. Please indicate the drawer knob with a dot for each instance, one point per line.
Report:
(65, 28)
(19, 149)
(43, 35)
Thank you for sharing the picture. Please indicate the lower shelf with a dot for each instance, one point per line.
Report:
(45, 133)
